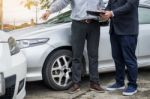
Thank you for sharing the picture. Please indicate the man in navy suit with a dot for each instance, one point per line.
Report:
(124, 29)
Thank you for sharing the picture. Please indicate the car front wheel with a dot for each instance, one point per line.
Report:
(57, 70)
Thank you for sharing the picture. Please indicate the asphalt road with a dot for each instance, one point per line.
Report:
(37, 90)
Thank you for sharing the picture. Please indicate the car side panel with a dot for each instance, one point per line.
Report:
(144, 45)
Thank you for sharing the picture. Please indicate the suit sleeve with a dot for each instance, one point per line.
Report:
(58, 5)
(108, 7)
(129, 5)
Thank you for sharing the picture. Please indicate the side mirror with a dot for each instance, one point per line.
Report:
(104, 23)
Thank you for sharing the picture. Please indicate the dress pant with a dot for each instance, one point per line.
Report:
(123, 53)
(80, 33)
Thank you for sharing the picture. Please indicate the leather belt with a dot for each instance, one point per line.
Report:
(88, 21)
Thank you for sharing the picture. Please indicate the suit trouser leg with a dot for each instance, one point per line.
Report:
(118, 59)
(78, 41)
(128, 45)
(92, 48)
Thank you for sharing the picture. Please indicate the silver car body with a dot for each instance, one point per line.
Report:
(59, 36)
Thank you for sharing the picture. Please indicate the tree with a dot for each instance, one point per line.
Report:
(45, 4)
(29, 3)
(42, 4)
(1, 14)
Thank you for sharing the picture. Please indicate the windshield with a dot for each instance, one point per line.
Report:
(61, 18)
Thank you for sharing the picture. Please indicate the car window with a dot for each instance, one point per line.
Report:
(144, 15)
(61, 18)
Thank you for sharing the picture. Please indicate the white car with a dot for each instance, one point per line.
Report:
(48, 49)
(12, 69)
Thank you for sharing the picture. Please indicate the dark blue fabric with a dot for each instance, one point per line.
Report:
(125, 20)
(123, 53)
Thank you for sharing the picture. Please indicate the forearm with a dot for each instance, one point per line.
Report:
(131, 4)
(58, 5)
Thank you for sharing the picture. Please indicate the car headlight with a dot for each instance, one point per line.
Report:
(14, 49)
(2, 84)
(25, 43)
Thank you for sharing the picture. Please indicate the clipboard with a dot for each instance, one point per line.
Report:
(95, 13)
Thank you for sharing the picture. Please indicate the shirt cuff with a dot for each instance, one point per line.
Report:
(112, 13)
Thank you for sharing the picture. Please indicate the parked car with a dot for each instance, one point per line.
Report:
(12, 69)
(48, 50)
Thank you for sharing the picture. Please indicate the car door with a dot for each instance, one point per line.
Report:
(144, 36)
(105, 56)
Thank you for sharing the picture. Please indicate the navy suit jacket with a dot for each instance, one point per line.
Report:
(125, 20)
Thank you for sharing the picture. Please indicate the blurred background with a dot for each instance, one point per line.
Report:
(16, 14)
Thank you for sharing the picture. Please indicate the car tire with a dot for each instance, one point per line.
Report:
(57, 70)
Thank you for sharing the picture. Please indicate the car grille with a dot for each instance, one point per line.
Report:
(10, 83)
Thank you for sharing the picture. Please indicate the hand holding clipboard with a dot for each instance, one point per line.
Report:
(103, 22)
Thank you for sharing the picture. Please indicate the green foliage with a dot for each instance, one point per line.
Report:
(43, 4)
(29, 3)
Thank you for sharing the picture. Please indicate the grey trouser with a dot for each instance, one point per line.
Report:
(80, 33)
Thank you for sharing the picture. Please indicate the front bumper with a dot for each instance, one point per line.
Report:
(10, 83)
(15, 78)
(2, 84)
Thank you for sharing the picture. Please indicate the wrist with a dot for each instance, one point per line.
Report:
(112, 13)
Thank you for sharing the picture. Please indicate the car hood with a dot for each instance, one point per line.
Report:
(4, 36)
(34, 30)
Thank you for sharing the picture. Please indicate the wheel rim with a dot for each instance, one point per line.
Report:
(61, 71)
